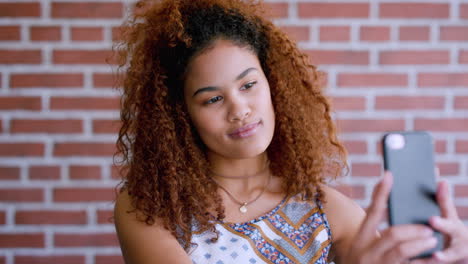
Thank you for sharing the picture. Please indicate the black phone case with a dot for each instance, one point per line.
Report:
(412, 198)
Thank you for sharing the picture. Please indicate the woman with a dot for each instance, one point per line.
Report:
(227, 139)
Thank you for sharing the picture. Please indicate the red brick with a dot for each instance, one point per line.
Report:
(106, 126)
(414, 10)
(454, 33)
(87, 34)
(370, 125)
(297, 33)
(2, 260)
(82, 57)
(21, 149)
(414, 33)
(86, 10)
(2, 220)
(461, 190)
(352, 191)
(463, 57)
(20, 103)
(86, 240)
(45, 33)
(49, 259)
(461, 102)
(105, 217)
(335, 33)
(85, 172)
(9, 173)
(105, 80)
(445, 125)
(464, 11)
(21, 195)
(448, 168)
(355, 146)
(84, 103)
(35, 240)
(50, 217)
(414, 57)
(79, 195)
(84, 149)
(277, 10)
(333, 10)
(461, 146)
(46, 80)
(463, 212)
(348, 103)
(374, 33)
(372, 80)
(409, 102)
(442, 79)
(322, 57)
(20, 56)
(109, 260)
(10, 33)
(440, 146)
(366, 169)
(27, 9)
(46, 126)
(43, 172)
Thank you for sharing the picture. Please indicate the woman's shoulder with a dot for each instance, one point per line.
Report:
(143, 243)
(344, 216)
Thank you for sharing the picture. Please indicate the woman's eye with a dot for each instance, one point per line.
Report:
(214, 100)
(248, 85)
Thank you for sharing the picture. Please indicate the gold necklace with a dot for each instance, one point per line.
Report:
(243, 205)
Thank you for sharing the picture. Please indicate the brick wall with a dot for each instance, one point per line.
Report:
(390, 66)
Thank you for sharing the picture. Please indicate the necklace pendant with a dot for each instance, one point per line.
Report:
(243, 208)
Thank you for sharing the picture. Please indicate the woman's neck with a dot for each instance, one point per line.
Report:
(242, 177)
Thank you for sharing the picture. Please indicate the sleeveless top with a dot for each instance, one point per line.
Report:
(295, 231)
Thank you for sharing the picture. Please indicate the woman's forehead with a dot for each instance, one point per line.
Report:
(224, 61)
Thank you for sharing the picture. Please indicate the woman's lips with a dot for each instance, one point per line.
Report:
(245, 131)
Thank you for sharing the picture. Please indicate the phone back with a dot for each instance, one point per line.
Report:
(409, 157)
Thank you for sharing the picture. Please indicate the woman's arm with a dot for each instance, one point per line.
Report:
(143, 244)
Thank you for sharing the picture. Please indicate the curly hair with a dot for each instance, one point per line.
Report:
(164, 165)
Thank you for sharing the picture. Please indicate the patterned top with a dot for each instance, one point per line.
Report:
(295, 231)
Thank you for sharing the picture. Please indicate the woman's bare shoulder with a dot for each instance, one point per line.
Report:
(142, 243)
(344, 216)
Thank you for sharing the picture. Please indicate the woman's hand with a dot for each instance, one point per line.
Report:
(452, 227)
(394, 245)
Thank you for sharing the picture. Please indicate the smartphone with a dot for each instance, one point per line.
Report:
(409, 156)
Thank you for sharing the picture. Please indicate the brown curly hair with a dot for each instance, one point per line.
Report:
(164, 165)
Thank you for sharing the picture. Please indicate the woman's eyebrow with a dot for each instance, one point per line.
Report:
(244, 73)
(214, 88)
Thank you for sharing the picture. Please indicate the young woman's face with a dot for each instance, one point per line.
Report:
(229, 102)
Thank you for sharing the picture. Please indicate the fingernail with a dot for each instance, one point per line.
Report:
(432, 241)
(439, 255)
(428, 232)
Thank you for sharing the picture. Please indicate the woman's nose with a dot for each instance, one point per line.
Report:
(239, 110)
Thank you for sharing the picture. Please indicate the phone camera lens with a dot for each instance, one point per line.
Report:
(395, 141)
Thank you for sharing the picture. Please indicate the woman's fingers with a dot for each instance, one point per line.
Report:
(376, 209)
(396, 235)
(446, 226)
(447, 207)
(408, 249)
(425, 261)
(452, 254)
